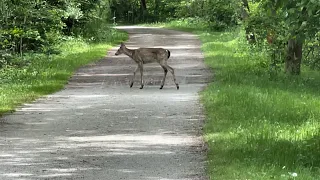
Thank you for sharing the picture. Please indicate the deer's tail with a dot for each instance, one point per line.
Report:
(168, 53)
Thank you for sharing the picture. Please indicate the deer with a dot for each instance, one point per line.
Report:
(148, 55)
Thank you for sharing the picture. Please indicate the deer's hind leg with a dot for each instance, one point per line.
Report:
(141, 73)
(165, 75)
(172, 72)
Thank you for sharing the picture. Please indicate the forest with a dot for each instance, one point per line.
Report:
(262, 107)
(289, 27)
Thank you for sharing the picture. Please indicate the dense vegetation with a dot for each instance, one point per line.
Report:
(262, 119)
(263, 107)
(287, 29)
(37, 26)
(260, 124)
(42, 42)
(214, 14)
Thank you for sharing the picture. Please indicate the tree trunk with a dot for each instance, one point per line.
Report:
(143, 9)
(144, 4)
(294, 57)
(202, 8)
(156, 10)
(245, 4)
(250, 36)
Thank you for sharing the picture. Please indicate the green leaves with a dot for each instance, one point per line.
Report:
(37, 26)
(73, 11)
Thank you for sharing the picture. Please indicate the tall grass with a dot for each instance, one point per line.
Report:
(187, 24)
(40, 74)
(260, 124)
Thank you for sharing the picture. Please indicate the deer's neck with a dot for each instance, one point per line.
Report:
(128, 52)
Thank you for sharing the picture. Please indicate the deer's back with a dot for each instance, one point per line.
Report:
(149, 55)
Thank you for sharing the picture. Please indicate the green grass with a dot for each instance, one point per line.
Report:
(45, 75)
(259, 124)
(187, 24)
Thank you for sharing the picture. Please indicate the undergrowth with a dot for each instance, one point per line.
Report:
(260, 122)
(35, 75)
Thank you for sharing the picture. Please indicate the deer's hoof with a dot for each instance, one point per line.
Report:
(141, 87)
(161, 87)
(131, 85)
(177, 87)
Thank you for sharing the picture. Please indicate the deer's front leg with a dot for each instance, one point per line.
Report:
(141, 73)
(134, 75)
(165, 70)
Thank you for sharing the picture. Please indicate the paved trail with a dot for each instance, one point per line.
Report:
(97, 128)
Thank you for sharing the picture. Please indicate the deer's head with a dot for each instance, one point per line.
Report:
(121, 49)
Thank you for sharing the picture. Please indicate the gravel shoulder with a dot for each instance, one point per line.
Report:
(99, 128)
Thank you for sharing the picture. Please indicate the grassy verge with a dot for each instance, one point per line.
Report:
(44, 75)
(187, 24)
(259, 125)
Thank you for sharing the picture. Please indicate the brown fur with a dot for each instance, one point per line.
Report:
(148, 55)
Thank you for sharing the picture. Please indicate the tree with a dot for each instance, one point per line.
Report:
(288, 22)
(36, 26)
(143, 9)
(143, 5)
(156, 10)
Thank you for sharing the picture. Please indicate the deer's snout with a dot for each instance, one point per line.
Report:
(118, 52)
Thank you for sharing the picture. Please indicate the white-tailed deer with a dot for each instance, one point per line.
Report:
(148, 55)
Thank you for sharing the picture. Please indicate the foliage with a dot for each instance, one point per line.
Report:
(43, 41)
(219, 14)
(278, 22)
(22, 30)
(262, 124)
(37, 74)
(38, 26)
(185, 24)
(258, 125)
(222, 14)
(312, 52)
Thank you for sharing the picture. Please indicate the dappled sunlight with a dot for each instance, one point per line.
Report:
(77, 151)
(81, 96)
(261, 123)
(171, 48)
(137, 139)
(38, 109)
(186, 98)
(6, 155)
(90, 75)
(16, 174)
(58, 158)
(302, 132)
(135, 27)
(55, 175)
(157, 178)
(185, 35)
(99, 127)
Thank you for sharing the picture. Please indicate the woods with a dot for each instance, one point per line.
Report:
(42, 42)
(262, 110)
(288, 26)
(262, 107)
(37, 26)
(289, 29)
